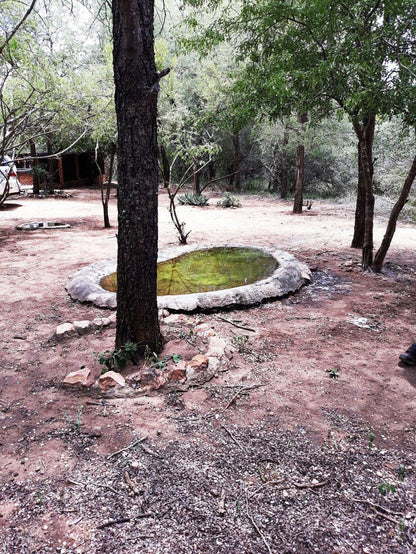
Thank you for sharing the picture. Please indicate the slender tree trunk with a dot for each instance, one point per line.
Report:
(35, 165)
(197, 180)
(236, 161)
(283, 165)
(136, 90)
(300, 166)
(106, 191)
(391, 226)
(165, 166)
(211, 170)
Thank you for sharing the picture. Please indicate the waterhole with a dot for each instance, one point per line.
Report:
(207, 270)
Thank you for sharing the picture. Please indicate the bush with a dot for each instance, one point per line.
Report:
(191, 199)
(229, 201)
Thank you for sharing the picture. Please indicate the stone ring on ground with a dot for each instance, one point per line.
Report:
(289, 276)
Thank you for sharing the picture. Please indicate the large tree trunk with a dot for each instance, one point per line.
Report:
(300, 166)
(365, 135)
(391, 226)
(136, 88)
(359, 223)
(283, 165)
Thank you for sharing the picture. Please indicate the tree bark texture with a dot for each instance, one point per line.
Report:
(136, 88)
(391, 225)
(365, 135)
(300, 166)
(359, 222)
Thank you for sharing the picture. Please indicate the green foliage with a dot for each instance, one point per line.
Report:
(191, 199)
(240, 342)
(118, 359)
(229, 201)
(153, 360)
(401, 473)
(371, 438)
(385, 488)
(333, 373)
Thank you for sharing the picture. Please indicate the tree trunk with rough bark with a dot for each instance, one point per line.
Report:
(136, 90)
(365, 135)
(391, 226)
(359, 222)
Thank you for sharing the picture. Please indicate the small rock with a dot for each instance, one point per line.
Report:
(216, 347)
(65, 330)
(100, 322)
(178, 372)
(80, 377)
(148, 375)
(201, 328)
(157, 383)
(82, 327)
(175, 318)
(163, 313)
(199, 362)
(111, 379)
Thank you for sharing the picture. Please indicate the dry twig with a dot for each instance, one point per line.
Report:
(256, 527)
(235, 324)
(135, 443)
(243, 390)
(233, 437)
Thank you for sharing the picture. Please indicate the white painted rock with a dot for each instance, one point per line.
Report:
(111, 379)
(65, 330)
(82, 327)
(80, 377)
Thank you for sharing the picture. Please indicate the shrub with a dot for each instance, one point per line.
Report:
(191, 199)
(229, 201)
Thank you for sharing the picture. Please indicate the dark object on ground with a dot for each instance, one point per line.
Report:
(409, 357)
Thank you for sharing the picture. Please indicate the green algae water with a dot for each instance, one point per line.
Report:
(207, 270)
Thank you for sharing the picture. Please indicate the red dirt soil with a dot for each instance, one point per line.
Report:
(294, 345)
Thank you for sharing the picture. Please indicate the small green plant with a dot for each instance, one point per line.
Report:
(118, 359)
(229, 201)
(240, 341)
(401, 473)
(384, 488)
(191, 199)
(333, 373)
(371, 438)
(153, 360)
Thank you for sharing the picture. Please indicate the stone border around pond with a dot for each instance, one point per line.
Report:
(290, 276)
